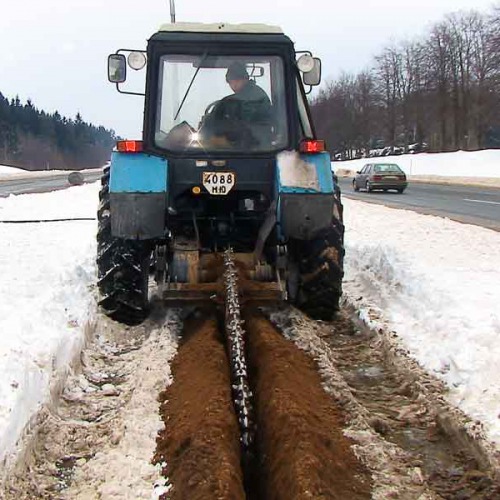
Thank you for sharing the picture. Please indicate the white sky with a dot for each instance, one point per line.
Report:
(55, 51)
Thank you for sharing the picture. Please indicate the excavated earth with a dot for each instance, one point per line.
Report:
(303, 452)
(200, 442)
(300, 452)
(340, 412)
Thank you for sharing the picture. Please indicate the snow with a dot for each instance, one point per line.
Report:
(483, 164)
(46, 299)
(122, 469)
(434, 282)
(6, 171)
(295, 172)
(221, 27)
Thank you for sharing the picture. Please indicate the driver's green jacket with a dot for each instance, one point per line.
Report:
(244, 118)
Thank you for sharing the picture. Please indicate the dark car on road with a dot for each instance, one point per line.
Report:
(381, 176)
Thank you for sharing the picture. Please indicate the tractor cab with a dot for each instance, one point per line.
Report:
(221, 90)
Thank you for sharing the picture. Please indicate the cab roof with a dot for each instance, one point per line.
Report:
(220, 28)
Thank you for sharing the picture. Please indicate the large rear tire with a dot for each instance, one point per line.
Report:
(123, 268)
(321, 269)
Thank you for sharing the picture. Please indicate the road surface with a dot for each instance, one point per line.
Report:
(469, 204)
(41, 184)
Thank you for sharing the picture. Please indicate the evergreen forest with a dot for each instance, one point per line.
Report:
(35, 140)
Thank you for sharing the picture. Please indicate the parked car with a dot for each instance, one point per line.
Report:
(417, 147)
(392, 150)
(374, 152)
(382, 176)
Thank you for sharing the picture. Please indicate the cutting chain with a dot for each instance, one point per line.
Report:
(235, 335)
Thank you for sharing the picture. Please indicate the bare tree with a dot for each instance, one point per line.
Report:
(365, 99)
(443, 89)
(387, 71)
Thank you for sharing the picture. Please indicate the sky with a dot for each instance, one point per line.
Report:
(55, 51)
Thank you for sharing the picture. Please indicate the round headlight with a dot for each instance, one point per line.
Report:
(136, 60)
(305, 63)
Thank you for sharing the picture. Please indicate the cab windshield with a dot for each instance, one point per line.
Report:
(221, 104)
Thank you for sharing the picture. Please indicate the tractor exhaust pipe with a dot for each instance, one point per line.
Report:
(172, 11)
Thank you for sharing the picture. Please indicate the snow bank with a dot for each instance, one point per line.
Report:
(6, 171)
(459, 164)
(436, 283)
(46, 301)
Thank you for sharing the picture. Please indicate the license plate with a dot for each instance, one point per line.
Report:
(219, 183)
(390, 177)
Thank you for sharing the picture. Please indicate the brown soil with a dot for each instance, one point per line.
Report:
(302, 449)
(200, 445)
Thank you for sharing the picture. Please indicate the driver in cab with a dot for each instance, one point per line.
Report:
(242, 119)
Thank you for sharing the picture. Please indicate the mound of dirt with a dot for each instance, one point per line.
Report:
(303, 451)
(199, 447)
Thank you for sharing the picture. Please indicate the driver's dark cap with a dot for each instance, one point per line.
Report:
(236, 71)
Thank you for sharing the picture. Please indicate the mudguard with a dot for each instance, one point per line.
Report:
(138, 195)
(305, 191)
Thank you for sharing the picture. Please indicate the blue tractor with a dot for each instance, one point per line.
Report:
(229, 158)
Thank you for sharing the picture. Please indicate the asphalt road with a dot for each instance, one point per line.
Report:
(41, 184)
(472, 205)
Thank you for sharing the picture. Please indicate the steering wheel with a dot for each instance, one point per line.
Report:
(210, 107)
(207, 116)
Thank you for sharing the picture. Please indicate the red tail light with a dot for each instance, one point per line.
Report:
(401, 177)
(129, 146)
(312, 146)
(377, 177)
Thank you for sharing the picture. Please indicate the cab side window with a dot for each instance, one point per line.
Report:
(305, 123)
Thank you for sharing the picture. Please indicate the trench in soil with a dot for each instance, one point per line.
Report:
(300, 450)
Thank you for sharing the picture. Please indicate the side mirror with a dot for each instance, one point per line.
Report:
(313, 77)
(117, 68)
